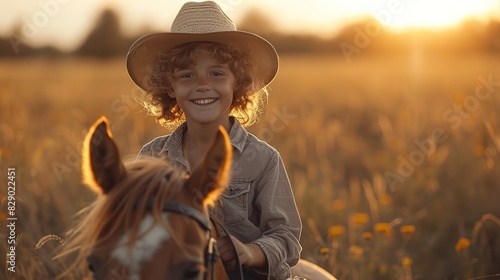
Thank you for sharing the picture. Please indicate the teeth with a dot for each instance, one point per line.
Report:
(204, 101)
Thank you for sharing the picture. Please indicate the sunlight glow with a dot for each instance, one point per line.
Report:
(66, 25)
(434, 14)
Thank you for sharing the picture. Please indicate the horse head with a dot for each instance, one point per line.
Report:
(150, 219)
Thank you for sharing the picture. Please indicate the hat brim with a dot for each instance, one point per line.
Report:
(143, 54)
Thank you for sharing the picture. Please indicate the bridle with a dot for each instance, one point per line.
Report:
(211, 252)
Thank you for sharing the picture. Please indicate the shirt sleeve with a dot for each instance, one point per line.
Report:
(279, 221)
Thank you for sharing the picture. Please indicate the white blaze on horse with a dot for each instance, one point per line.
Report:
(150, 221)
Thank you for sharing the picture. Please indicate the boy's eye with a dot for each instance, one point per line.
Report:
(217, 73)
(186, 75)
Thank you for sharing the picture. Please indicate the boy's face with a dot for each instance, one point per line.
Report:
(204, 91)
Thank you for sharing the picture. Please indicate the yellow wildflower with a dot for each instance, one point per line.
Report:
(360, 218)
(386, 200)
(406, 262)
(462, 244)
(356, 252)
(407, 230)
(367, 235)
(383, 228)
(324, 251)
(336, 231)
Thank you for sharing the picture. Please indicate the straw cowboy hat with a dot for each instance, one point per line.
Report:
(201, 21)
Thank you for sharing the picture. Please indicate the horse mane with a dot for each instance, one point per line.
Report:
(123, 209)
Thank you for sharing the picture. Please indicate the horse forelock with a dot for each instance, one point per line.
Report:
(125, 207)
(123, 210)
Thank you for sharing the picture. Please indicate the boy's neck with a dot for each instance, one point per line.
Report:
(203, 134)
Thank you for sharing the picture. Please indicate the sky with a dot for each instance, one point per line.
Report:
(65, 23)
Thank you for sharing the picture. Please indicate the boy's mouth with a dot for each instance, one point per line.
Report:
(204, 101)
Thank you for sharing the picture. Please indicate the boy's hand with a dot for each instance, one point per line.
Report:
(251, 255)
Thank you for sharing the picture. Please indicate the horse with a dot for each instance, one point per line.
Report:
(150, 220)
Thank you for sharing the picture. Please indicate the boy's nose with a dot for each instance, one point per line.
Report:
(202, 85)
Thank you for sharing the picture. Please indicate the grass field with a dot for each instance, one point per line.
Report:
(395, 161)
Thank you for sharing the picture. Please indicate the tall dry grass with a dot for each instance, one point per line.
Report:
(341, 129)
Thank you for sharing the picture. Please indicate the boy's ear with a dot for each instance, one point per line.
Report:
(102, 167)
(211, 176)
(171, 93)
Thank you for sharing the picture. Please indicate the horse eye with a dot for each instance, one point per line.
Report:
(192, 272)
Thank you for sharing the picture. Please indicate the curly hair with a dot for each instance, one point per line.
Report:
(249, 96)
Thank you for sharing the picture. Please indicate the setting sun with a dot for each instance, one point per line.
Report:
(434, 14)
(325, 17)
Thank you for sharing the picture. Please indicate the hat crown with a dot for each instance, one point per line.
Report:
(202, 17)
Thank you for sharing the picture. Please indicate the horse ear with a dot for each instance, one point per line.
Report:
(102, 167)
(211, 176)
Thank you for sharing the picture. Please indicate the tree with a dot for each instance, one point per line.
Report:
(106, 39)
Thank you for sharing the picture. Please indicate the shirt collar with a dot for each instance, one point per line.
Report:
(173, 146)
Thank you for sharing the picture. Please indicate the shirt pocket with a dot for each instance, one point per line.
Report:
(235, 201)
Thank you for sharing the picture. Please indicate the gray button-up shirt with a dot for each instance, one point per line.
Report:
(258, 205)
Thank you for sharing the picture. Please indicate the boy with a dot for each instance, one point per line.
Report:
(205, 73)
